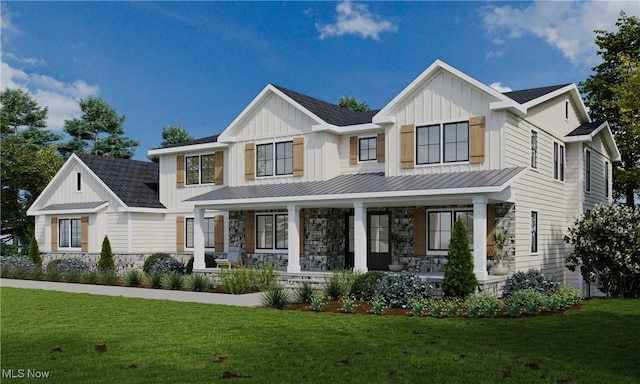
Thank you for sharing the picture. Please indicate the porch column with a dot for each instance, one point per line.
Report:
(480, 237)
(198, 239)
(293, 261)
(360, 237)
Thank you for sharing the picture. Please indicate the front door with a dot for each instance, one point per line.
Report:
(378, 249)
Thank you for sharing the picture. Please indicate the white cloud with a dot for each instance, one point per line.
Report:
(355, 19)
(567, 26)
(24, 60)
(499, 87)
(6, 26)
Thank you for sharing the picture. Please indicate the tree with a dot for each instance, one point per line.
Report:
(20, 110)
(34, 251)
(87, 132)
(459, 278)
(611, 94)
(353, 104)
(606, 249)
(171, 135)
(106, 263)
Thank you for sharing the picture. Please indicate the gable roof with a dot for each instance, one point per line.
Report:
(586, 129)
(526, 95)
(586, 132)
(132, 181)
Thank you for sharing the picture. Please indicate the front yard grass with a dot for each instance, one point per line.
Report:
(81, 338)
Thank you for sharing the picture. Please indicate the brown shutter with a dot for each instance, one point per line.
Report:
(180, 171)
(353, 150)
(218, 168)
(476, 140)
(249, 161)
(419, 232)
(84, 233)
(491, 226)
(406, 146)
(180, 234)
(249, 232)
(380, 147)
(54, 234)
(301, 231)
(218, 228)
(298, 156)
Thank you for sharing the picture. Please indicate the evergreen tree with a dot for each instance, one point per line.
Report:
(459, 278)
(106, 263)
(34, 251)
(353, 104)
(19, 109)
(172, 134)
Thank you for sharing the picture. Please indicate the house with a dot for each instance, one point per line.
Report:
(307, 185)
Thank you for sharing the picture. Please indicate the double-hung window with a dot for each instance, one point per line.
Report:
(587, 172)
(428, 144)
(368, 148)
(534, 149)
(200, 169)
(272, 231)
(534, 231)
(208, 229)
(440, 226)
(69, 233)
(606, 179)
(456, 142)
(448, 142)
(558, 161)
(282, 153)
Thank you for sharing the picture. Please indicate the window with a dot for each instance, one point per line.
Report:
(440, 225)
(208, 229)
(200, 169)
(534, 231)
(566, 110)
(587, 171)
(69, 233)
(78, 182)
(283, 156)
(368, 149)
(272, 231)
(454, 147)
(558, 161)
(606, 179)
(534, 149)
(379, 233)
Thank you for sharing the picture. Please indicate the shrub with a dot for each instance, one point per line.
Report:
(459, 278)
(364, 286)
(90, 277)
(236, 281)
(264, 278)
(565, 296)
(317, 302)
(11, 264)
(349, 304)
(606, 249)
(532, 279)
(106, 262)
(66, 266)
(483, 305)
(52, 274)
(72, 276)
(418, 307)
(530, 300)
(398, 289)
(154, 280)
(276, 297)
(346, 278)
(173, 281)
(169, 265)
(378, 306)
(34, 251)
(197, 283)
(151, 260)
(303, 293)
(334, 289)
(109, 278)
(133, 278)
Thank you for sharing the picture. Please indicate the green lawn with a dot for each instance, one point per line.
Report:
(79, 338)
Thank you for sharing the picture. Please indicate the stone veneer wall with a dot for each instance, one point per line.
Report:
(123, 262)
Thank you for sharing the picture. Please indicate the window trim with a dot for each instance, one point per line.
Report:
(606, 178)
(559, 161)
(274, 159)
(453, 212)
(375, 153)
(70, 239)
(441, 143)
(78, 182)
(566, 110)
(533, 161)
(587, 171)
(534, 233)
(274, 235)
(200, 166)
(191, 245)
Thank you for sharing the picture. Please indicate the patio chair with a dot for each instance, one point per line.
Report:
(233, 259)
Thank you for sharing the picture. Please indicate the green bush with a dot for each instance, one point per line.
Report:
(564, 297)
(109, 278)
(154, 280)
(197, 282)
(174, 281)
(418, 307)
(459, 278)
(72, 265)
(303, 293)
(444, 307)
(532, 279)
(34, 251)
(530, 300)
(106, 262)
(378, 306)
(72, 276)
(276, 297)
(90, 277)
(169, 265)
(364, 285)
(11, 264)
(483, 305)
(399, 288)
(349, 304)
(334, 289)
(133, 278)
(151, 260)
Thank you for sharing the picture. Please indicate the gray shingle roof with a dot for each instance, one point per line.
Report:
(134, 182)
(204, 140)
(77, 206)
(586, 129)
(331, 113)
(527, 95)
(364, 183)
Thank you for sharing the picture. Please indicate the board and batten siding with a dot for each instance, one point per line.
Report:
(445, 98)
(65, 192)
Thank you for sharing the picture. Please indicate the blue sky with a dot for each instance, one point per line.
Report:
(198, 64)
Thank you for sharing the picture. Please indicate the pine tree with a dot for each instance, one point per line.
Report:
(459, 278)
(106, 264)
(34, 251)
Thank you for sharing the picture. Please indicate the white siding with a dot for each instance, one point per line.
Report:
(551, 114)
(360, 167)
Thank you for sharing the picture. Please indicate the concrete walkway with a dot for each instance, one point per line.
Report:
(246, 300)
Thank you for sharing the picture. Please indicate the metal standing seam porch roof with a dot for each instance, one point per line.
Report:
(368, 183)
